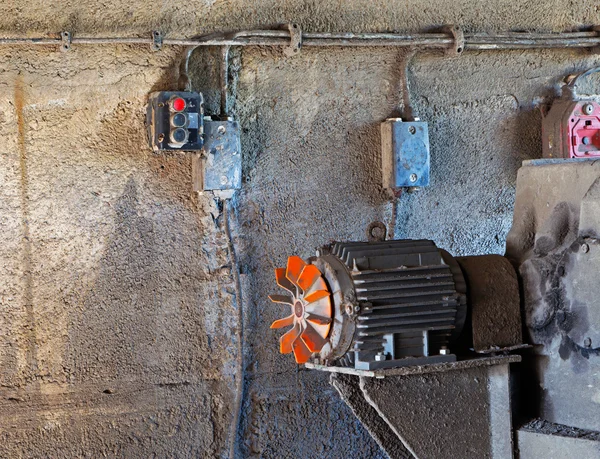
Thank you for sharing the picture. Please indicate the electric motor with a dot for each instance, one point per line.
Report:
(370, 305)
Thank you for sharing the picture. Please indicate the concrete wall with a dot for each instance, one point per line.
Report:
(118, 315)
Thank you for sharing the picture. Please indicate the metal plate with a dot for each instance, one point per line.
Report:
(405, 153)
(221, 167)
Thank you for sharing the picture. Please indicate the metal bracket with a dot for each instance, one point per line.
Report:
(295, 40)
(157, 40)
(65, 41)
(459, 40)
(596, 29)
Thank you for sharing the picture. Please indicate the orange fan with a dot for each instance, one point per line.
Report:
(310, 303)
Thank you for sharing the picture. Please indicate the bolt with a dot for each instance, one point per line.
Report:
(223, 180)
(586, 140)
(413, 177)
(380, 357)
(412, 129)
(349, 309)
(585, 248)
(444, 350)
(377, 232)
(356, 309)
(161, 137)
(588, 109)
(587, 342)
(221, 129)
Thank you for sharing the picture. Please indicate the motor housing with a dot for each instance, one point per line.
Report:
(395, 303)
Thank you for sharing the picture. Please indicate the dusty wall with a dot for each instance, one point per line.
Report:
(118, 310)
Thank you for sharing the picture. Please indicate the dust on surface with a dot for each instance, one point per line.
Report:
(131, 298)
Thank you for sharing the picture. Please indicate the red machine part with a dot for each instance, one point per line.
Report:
(309, 299)
(571, 129)
(584, 130)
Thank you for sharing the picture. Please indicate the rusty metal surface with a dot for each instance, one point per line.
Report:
(494, 302)
(554, 243)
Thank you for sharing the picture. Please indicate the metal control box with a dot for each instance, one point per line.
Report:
(175, 121)
(404, 153)
(219, 167)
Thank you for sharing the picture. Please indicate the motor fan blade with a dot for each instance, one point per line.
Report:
(318, 285)
(284, 299)
(287, 340)
(316, 296)
(320, 307)
(313, 340)
(301, 352)
(320, 320)
(283, 282)
(295, 265)
(309, 275)
(280, 323)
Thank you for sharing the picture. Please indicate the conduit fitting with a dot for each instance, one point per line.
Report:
(66, 41)
(459, 40)
(295, 40)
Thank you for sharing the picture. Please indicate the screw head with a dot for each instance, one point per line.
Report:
(586, 140)
(587, 342)
(223, 180)
(588, 109)
(413, 177)
(585, 248)
(412, 129)
(221, 129)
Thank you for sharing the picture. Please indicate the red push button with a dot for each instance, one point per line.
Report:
(178, 104)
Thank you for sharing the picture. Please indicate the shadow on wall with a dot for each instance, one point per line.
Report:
(115, 334)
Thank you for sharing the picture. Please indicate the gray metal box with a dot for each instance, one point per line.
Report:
(220, 165)
(404, 153)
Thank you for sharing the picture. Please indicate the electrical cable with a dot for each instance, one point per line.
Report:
(240, 335)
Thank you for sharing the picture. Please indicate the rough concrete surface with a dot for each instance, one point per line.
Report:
(118, 311)
(348, 386)
(452, 414)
